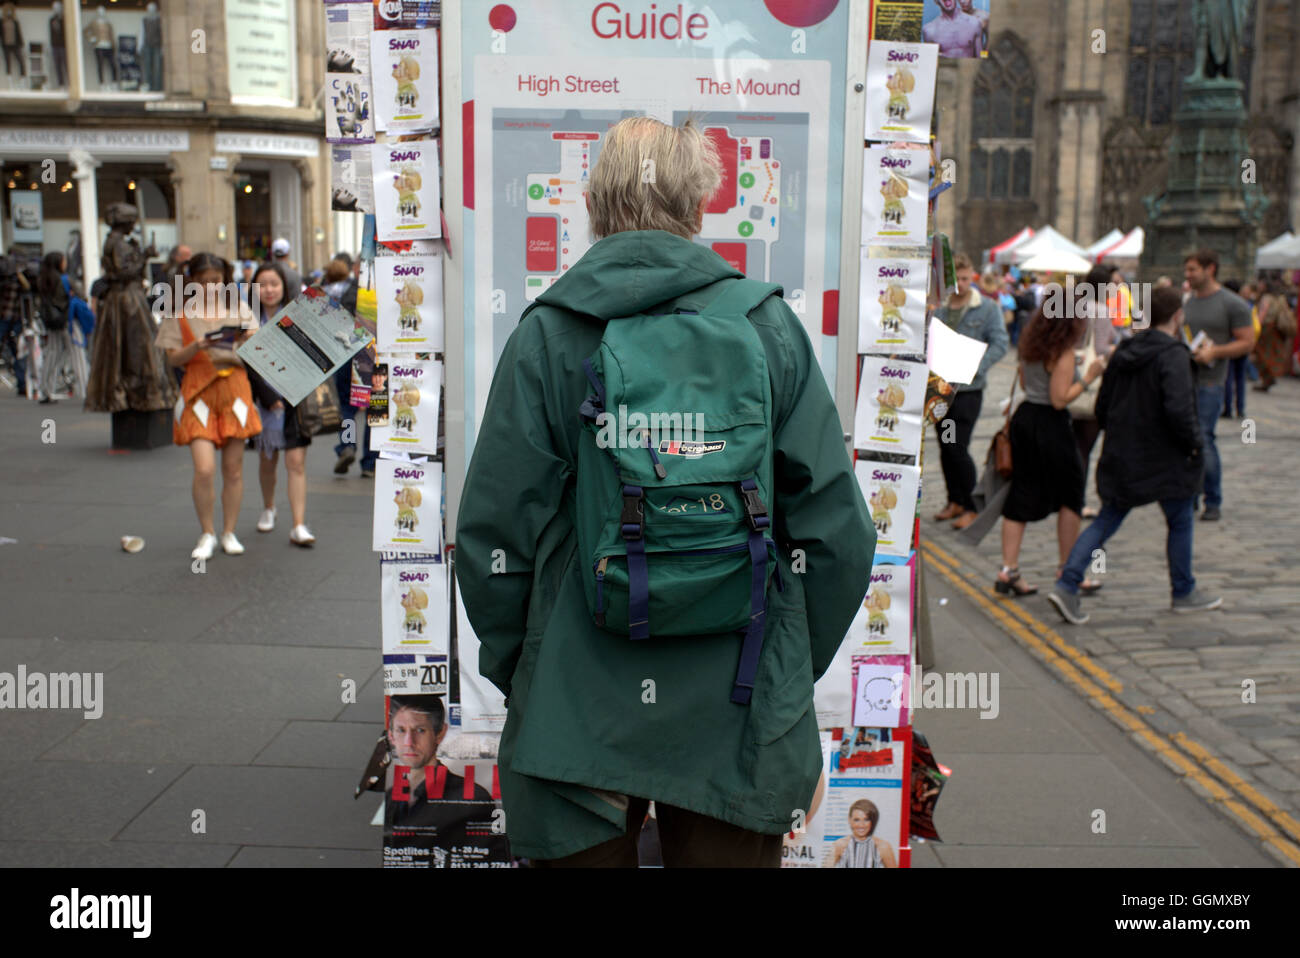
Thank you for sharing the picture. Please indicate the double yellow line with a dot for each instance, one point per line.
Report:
(1225, 789)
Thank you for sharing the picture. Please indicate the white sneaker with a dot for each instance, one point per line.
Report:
(206, 547)
(301, 536)
(267, 522)
(230, 545)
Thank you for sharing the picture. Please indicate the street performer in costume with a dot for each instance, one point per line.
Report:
(216, 409)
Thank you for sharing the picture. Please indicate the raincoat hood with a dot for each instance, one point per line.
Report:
(1142, 349)
(628, 273)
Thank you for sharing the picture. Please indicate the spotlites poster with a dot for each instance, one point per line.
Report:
(890, 491)
(410, 303)
(891, 305)
(405, 64)
(406, 190)
(413, 390)
(891, 396)
(408, 506)
(900, 90)
(413, 607)
(883, 624)
(349, 106)
(895, 196)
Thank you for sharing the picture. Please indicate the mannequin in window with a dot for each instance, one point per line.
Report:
(11, 38)
(151, 48)
(58, 46)
(99, 34)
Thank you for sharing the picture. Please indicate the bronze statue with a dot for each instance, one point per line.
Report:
(127, 370)
(1219, 28)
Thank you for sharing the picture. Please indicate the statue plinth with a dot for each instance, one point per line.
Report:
(1207, 201)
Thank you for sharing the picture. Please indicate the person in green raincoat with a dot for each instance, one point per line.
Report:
(598, 725)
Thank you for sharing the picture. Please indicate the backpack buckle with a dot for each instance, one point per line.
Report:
(755, 510)
(633, 516)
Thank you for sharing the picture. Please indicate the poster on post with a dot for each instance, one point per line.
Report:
(349, 102)
(883, 624)
(405, 177)
(352, 188)
(406, 77)
(900, 90)
(880, 690)
(891, 397)
(959, 27)
(410, 303)
(414, 611)
(890, 491)
(895, 196)
(897, 20)
(891, 305)
(535, 127)
(482, 707)
(414, 387)
(408, 506)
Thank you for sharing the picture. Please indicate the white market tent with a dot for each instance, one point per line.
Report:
(1055, 261)
(1009, 244)
(1106, 242)
(1046, 239)
(1283, 252)
(1129, 246)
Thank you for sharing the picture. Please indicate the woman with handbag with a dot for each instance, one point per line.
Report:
(1101, 335)
(1047, 474)
(281, 425)
(216, 409)
(55, 298)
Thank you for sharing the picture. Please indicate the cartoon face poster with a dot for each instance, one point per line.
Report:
(413, 390)
(414, 608)
(891, 305)
(880, 690)
(890, 491)
(895, 196)
(410, 303)
(405, 64)
(406, 190)
(891, 396)
(408, 506)
(900, 90)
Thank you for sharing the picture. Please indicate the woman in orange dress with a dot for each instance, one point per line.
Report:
(216, 408)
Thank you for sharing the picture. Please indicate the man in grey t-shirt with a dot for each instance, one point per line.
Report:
(1224, 317)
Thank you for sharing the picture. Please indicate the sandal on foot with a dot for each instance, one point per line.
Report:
(1013, 584)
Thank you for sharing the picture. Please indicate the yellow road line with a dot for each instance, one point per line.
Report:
(1192, 758)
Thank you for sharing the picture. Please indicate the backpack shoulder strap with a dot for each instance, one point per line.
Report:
(741, 296)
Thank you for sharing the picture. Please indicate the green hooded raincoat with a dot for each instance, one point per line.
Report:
(584, 728)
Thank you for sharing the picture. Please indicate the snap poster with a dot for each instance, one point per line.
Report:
(891, 304)
(883, 624)
(414, 386)
(406, 190)
(409, 291)
(405, 64)
(895, 196)
(408, 506)
(890, 491)
(900, 90)
(349, 106)
(891, 398)
(413, 607)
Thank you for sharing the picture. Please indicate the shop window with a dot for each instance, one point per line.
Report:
(1002, 124)
(33, 43)
(121, 46)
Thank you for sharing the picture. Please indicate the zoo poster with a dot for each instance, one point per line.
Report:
(409, 291)
(895, 196)
(891, 305)
(900, 91)
(891, 397)
(408, 506)
(414, 386)
(406, 190)
(413, 606)
(890, 491)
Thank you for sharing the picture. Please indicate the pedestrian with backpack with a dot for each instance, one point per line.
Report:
(55, 298)
(661, 543)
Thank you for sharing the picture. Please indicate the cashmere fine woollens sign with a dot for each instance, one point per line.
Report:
(900, 90)
(408, 507)
(891, 395)
(406, 190)
(413, 389)
(895, 196)
(891, 305)
(409, 291)
(890, 491)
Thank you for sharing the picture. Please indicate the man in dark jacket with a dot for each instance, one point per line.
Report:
(1152, 453)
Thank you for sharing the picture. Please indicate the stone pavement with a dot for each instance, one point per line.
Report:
(1184, 674)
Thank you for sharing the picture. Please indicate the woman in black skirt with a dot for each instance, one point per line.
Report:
(272, 290)
(1048, 471)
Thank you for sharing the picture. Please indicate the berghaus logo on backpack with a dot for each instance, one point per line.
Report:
(691, 450)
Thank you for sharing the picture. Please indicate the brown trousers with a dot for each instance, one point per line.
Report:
(687, 839)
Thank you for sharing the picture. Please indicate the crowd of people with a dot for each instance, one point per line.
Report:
(1169, 369)
(225, 408)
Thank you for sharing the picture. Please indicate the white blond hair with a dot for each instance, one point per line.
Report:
(651, 176)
